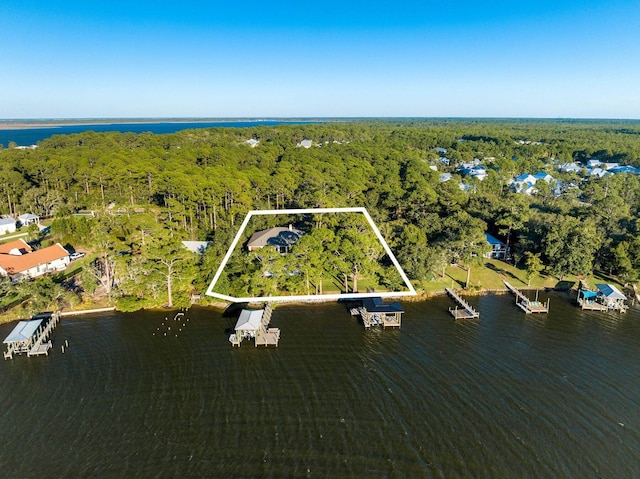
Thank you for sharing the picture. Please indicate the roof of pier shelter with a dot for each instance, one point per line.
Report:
(376, 305)
(249, 320)
(23, 331)
(610, 291)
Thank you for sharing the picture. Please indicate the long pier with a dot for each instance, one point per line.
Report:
(527, 305)
(467, 312)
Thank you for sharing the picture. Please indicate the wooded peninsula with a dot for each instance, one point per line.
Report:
(562, 196)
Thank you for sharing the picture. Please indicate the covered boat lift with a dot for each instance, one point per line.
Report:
(254, 324)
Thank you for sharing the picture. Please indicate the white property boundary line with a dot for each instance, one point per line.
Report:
(313, 297)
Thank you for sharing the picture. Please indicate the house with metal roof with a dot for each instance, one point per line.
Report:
(281, 238)
(7, 226)
(499, 250)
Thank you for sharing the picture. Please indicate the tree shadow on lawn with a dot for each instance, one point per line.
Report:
(501, 271)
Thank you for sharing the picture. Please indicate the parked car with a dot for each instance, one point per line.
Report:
(73, 256)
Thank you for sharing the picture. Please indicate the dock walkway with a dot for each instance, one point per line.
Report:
(527, 305)
(39, 345)
(467, 312)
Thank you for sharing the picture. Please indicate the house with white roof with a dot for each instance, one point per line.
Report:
(525, 183)
(196, 247)
(572, 167)
(28, 218)
(593, 163)
(252, 142)
(305, 144)
(7, 225)
(597, 172)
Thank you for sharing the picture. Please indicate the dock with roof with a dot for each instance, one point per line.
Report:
(375, 312)
(30, 337)
(607, 297)
(254, 324)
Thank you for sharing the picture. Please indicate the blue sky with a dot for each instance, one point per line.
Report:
(72, 59)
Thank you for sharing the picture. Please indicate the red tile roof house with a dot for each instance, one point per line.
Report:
(18, 260)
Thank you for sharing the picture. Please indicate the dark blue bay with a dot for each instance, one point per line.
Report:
(504, 396)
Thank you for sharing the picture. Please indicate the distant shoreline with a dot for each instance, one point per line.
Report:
(57, 123)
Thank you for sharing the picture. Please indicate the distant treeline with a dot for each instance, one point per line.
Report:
(199, 184)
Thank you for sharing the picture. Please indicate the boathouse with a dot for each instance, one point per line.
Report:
(375, 312)
(611, 297)
(254, 324)
(30, 336)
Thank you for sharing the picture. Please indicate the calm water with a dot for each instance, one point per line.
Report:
(30, 136)
(505, 396)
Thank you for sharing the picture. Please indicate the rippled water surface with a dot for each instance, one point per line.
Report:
(507, 395)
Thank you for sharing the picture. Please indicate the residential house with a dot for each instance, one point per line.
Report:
(280, 237)
(499, 250)
(7, 225)
(525, 183)
(597, 172)
(18, 260)
(28, 218)
(252, 142)
(196, 247)
(305, 144)
(572, 167)
(593, 163)
(625, 169)
(475, 170)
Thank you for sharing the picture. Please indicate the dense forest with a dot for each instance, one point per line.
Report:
(130, 199)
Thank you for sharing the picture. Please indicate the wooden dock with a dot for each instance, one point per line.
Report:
(375, 312)
(37, 344)
(527, 305)
(467, 312)
(261, 333)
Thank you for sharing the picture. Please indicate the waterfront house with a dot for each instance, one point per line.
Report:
(499, 250)
(7, 226)
(281, 238)
(18, 260)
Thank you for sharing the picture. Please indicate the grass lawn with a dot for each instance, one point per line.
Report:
(491, 275)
